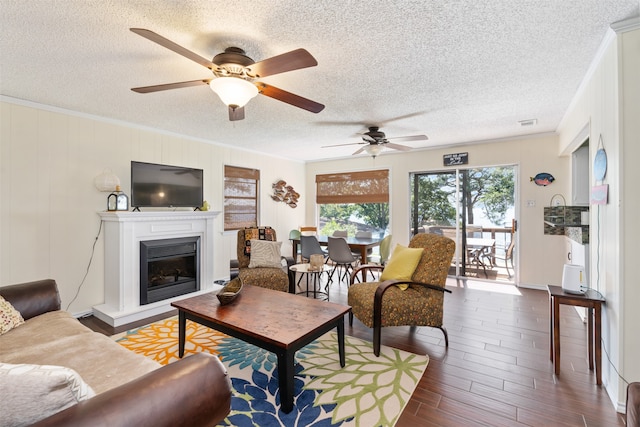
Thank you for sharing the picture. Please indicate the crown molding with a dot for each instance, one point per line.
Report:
(626, 25)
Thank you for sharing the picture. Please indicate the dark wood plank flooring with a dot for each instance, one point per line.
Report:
(496, 371)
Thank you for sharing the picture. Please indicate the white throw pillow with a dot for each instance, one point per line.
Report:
(265, 254)
(33, 392)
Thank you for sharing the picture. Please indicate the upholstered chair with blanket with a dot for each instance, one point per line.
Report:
(260, 262)
(411, 287)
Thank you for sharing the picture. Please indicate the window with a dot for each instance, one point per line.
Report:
(353, 201)
(240, 197)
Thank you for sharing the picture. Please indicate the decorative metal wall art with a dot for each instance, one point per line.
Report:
(285, 193)
(543, 179)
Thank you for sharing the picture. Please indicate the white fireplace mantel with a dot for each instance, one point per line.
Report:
(123, 232)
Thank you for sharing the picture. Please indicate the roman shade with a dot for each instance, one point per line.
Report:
(240, 197)
(353, 187)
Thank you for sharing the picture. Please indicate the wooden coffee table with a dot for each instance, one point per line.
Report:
(278, 322)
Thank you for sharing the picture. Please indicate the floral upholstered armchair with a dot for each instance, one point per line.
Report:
(259, 259)
(411, 288)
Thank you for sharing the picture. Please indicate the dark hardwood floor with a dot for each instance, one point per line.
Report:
(496, 371)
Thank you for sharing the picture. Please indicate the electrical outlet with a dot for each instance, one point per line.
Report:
(531, 203)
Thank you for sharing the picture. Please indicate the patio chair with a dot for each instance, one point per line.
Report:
(507, 258)
(383, 304)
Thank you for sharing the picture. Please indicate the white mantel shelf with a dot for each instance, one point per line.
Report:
(123, 232)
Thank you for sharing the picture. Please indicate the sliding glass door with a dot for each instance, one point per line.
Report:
(475, 208)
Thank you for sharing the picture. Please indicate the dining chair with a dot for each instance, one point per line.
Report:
(340, 233)
(309, 245)
(421, 303)
(309, 230)
(341, 256)
(294, 236)
(364, 235)
(381, 259)
(385, 249)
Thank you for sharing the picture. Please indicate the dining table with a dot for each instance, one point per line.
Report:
(361, 244)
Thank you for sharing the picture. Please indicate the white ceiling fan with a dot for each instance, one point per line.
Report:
(374, 141)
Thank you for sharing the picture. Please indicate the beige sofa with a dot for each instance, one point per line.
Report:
(130, 389)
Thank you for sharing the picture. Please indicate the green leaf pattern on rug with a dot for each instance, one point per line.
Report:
(376, 386)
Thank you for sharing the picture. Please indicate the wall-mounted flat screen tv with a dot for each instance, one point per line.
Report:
(156, 185)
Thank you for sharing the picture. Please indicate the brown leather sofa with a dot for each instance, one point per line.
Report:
(633, 405)
(194, 391)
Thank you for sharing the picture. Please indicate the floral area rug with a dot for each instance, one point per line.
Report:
(368, 391)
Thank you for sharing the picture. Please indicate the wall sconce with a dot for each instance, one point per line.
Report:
(107, 181)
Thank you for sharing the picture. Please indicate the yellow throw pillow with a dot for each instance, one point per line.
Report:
(402, 264)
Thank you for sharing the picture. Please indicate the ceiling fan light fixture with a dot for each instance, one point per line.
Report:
(373, 149)
(233, 91)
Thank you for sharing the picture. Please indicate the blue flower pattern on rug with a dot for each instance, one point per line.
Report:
(257, 403)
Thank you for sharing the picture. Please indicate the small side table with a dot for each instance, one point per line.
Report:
(315, 278)
(592, 300)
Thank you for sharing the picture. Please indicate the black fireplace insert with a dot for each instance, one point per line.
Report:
(169, 268)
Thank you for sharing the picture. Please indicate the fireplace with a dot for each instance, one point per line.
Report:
(169, 268)
(123, 232)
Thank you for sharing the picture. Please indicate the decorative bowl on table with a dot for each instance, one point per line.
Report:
(229, 292)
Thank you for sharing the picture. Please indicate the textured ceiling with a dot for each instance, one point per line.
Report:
(458, 71)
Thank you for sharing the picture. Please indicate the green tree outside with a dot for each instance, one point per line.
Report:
(489, 189)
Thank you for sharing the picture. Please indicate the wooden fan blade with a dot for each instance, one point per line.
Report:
(236, 114)
(342, 145)
(359, 151)
(289, 98)
(168, 86)
(409, 138)
(294, 60)
(157, 38)
(397, 146)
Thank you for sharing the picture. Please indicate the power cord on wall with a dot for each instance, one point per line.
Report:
(93, 250)
(604, 347)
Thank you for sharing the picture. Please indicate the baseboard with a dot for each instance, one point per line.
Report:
(82, 314)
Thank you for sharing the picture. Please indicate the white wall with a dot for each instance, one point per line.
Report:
(541, 256)
(48, 202)
(609, 102)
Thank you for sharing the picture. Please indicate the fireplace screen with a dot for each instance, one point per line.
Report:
(169, 268)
